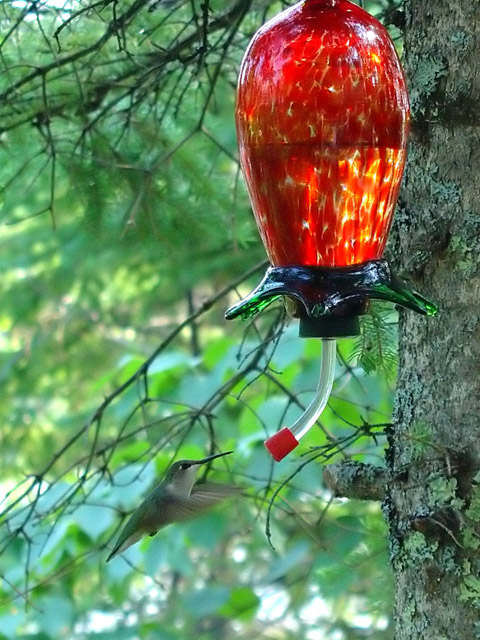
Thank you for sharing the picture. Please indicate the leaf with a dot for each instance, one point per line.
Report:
(377, 347)
(282, 565)
(242, 605)
(170, 360)
(57, 614)
(206, 601)
(130, 452)
(93, 520)
(9, 623)
(207, 530)
(131, 483)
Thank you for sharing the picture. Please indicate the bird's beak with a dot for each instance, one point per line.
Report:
(212, 457)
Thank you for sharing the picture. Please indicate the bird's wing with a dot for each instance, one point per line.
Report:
(210, 491)
(202, 498)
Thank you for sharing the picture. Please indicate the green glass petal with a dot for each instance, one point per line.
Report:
(337, 291)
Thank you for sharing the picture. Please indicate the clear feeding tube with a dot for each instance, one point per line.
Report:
(281, 443)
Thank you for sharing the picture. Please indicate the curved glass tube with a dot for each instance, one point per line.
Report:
(281, 443)
(324, 387)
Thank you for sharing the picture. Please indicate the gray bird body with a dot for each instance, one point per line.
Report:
(175, 499)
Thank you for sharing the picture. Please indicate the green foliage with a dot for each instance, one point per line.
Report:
(376, 349)
(125, 231)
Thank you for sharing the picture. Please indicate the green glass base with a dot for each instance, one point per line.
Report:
(336, 293)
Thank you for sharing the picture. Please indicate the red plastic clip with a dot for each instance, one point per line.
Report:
(281, 443)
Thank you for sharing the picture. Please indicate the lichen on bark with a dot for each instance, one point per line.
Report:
(434, 512)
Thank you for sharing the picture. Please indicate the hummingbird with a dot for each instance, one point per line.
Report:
(175, 499)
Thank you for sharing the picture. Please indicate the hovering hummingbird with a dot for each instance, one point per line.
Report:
(176, 498)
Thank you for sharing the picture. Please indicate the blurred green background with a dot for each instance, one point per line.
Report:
(125, 234)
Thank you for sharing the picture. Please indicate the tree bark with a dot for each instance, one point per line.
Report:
(433, 506)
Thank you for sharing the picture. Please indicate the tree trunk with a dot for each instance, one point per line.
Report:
(433, 506)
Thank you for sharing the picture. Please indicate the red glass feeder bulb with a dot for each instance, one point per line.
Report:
(322, 120)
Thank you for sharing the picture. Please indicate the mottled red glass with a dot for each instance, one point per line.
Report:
(322, 119)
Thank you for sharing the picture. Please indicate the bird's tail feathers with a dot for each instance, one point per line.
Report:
(124, 543)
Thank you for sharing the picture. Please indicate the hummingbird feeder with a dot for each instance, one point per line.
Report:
(322, 120)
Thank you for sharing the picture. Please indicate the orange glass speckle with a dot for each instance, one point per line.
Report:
(322, 120)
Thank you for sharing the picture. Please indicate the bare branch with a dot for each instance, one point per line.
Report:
(350, 479)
